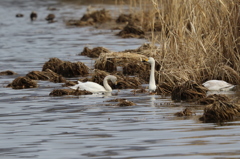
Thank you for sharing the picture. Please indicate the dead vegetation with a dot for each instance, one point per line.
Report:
(69, 83)
(95, 52)
(188, 91)
(62, 92)
(91, 18)
(199, 40)
(128, 18)
(110, 61)
(22, 83)
(142, 90)
(123, 82)
(212, 98)
(131, 31)
(48, 75)
(185, 112)
(122, 102)
(125, 103)
(66, 68)
(220, 109)
(8, 72)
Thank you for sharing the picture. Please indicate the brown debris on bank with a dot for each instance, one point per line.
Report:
(22, 83)
(95, 52)
(185, 112)
(66, 68)
(62, 92)
(92, 18)
(131, 31)
(8, 72)
(46, 75)
(221, 110)
(188, 91)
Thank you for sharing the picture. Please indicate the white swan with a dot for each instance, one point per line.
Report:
(218, 85)
(152, 84)
(95, 87)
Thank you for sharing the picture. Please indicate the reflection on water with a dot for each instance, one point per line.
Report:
(35, 125)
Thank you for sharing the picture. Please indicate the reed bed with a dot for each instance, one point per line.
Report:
(198, 39)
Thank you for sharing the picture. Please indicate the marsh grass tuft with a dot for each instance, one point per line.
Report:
(188, 91)
(62, 92)
(221, 109)
(22, 83)
(66, 68)
(8, 72)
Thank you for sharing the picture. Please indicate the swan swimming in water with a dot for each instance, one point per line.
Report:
(218, 85)
(152, 84)
(95, 87)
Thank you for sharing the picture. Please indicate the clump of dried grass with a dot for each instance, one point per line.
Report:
(123, 82)
(66, 68)
(212, 98)
(188, 91)
(95, 52)
(122, 102)
(185, 112)
(110, 61)
(131, 31)
(22, 83)
(125, 103)
(99, 16)
(128, 18)
(69, 83)
(8, 72)
(62, 92)
(46, 75)
(220, 110)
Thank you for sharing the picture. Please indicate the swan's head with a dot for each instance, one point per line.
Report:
(149, 60)
(112, 78)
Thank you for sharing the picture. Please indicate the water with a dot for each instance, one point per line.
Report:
(35, 125)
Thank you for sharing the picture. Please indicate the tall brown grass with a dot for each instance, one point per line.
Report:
(199, 39)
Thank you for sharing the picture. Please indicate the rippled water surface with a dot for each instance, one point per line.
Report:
(35, 125)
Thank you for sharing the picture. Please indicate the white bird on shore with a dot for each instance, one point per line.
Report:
(218, 85)
(152, 84)
(95, 87)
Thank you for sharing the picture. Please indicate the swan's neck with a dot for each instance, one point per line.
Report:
(152, 76)
(106, 85)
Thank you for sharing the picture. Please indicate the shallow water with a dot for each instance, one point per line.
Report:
(35, 125)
